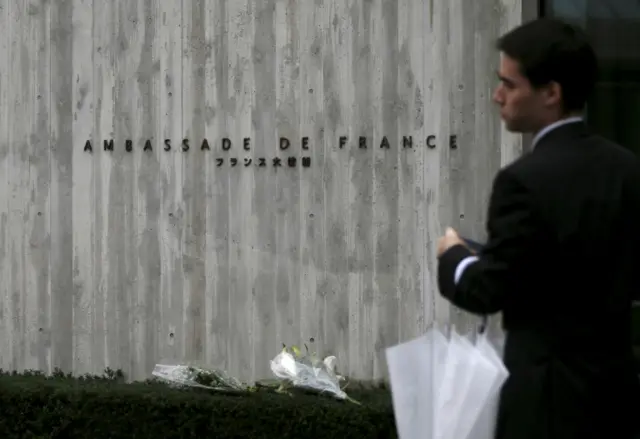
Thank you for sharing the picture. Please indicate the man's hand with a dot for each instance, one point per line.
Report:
(447, 241)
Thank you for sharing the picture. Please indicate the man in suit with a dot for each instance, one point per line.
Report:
(562, 260)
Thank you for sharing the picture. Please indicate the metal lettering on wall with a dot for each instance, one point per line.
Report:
(227, 148)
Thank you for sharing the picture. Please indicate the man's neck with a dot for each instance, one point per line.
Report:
(572, 118)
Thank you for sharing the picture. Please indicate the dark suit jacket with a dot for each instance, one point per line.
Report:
(562, 263)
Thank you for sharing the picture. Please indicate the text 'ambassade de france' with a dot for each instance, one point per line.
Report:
(284, 144)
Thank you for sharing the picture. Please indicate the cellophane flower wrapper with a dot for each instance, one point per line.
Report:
(308, 372)
(185, 375)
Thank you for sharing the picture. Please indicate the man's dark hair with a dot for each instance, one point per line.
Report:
(551, 50)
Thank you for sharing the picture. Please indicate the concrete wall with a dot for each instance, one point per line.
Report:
(122, 258)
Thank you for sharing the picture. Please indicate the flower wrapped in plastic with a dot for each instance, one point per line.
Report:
(195, 376)
(306, 371)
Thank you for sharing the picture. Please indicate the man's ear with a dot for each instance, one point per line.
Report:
(552, 94)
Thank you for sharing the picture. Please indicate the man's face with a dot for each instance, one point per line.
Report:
(521, 106)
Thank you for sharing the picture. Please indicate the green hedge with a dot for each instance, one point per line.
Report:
(36, 406)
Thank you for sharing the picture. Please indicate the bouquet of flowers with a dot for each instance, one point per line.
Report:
(195, 376)
(295, 369)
